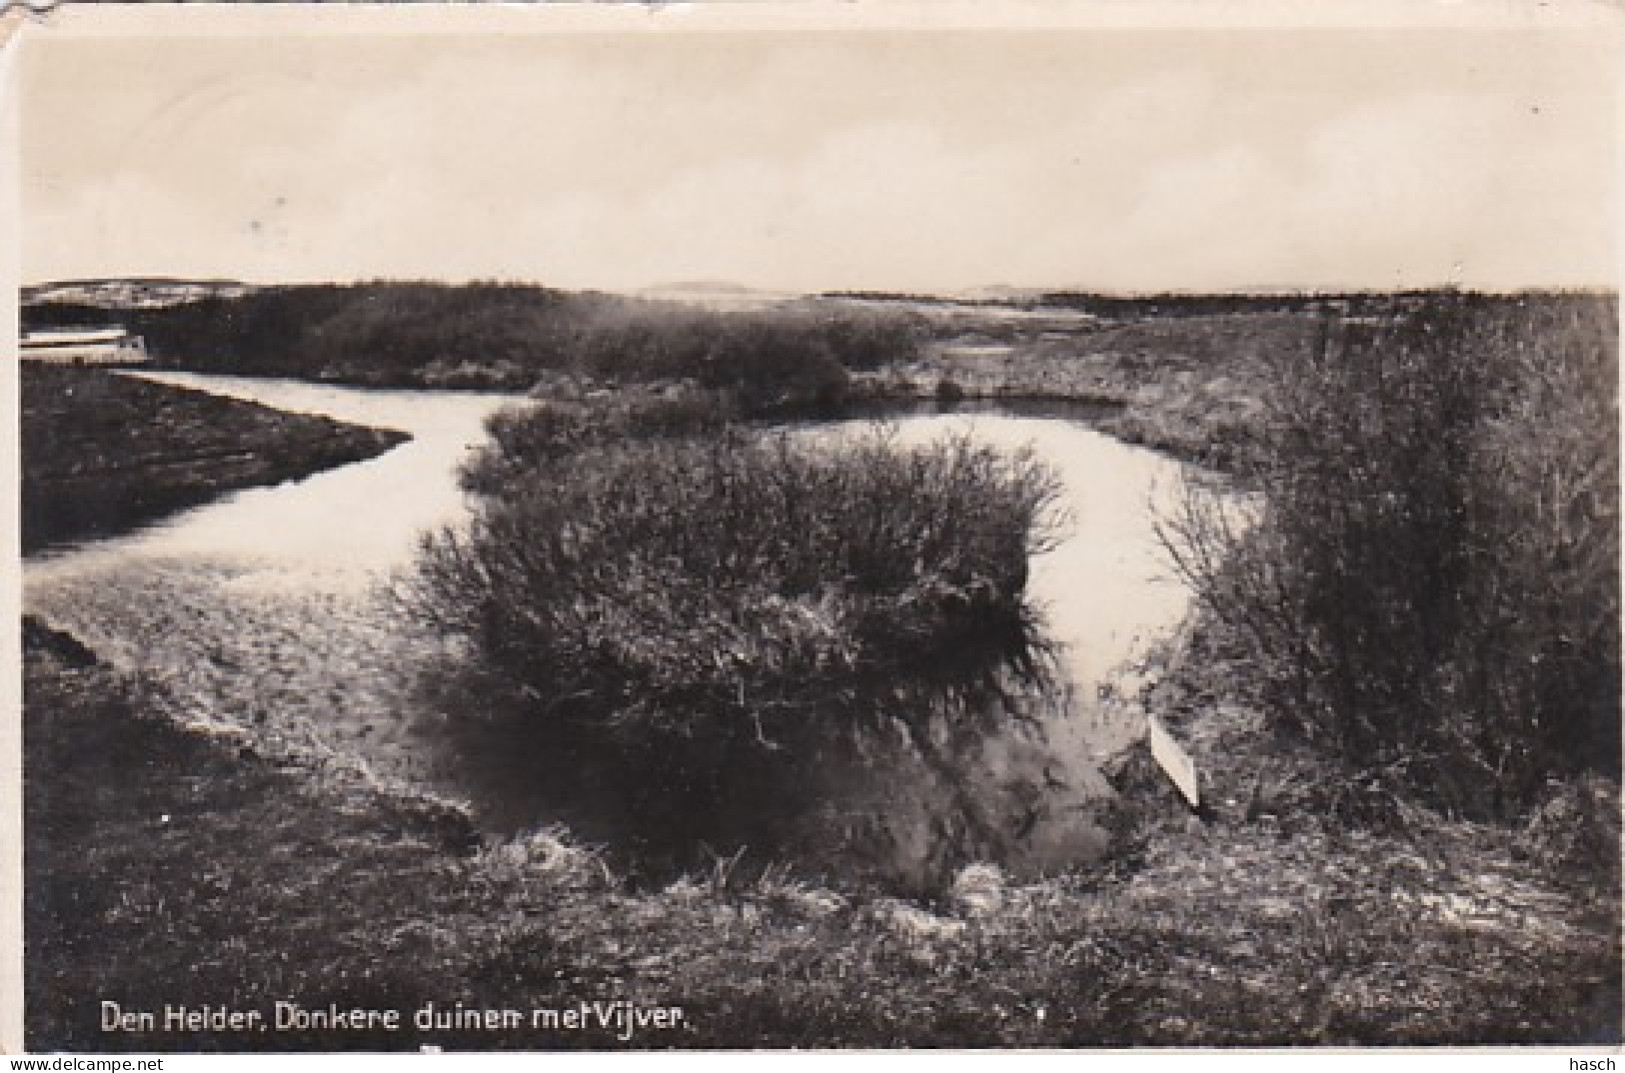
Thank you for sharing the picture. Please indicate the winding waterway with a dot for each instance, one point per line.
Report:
(268, 610)
(340, 527)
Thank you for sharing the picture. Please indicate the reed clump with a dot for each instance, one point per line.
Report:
(702, 596)
(1430, 582)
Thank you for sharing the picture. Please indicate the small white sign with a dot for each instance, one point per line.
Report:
(1175, 761)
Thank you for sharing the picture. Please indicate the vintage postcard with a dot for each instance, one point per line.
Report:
(1067, 526)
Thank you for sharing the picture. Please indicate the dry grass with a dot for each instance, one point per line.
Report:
(1192, 386)
(175, 866)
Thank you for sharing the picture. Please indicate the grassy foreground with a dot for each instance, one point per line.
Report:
(103, 453)
(172, 867)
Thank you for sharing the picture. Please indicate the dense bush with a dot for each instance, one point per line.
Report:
(1432, 582)
(497, 335)
(768, 360)
(713, 600)
(526, 442)
(512, 336)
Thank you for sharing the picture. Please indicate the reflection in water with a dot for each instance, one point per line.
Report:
(1105, 591)
(1106, 588)
(264, 610)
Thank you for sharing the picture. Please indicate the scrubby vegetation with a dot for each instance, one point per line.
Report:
(102, 453)
(718, 602)
(1188, 385)
(1432, 584)
(511, 337)
(1401, 693)
(1182, 373)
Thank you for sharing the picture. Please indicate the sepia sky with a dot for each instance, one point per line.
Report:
(931, 158)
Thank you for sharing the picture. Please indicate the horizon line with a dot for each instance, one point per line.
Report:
(1260, 290)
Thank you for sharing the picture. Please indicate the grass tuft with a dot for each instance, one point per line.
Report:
(715, 608)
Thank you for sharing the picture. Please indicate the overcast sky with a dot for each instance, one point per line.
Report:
(927, 160)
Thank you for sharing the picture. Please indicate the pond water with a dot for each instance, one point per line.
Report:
(267, 610)
(337, 527)
(1106, 591)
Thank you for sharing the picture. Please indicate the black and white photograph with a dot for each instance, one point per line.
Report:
(836, 526)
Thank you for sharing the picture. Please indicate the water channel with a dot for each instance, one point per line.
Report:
(267, 612)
